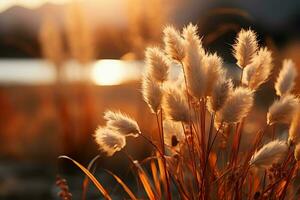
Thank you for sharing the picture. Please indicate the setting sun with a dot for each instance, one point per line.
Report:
(113, 72)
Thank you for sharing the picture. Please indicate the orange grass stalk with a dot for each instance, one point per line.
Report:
(91, 176)
(193, 165)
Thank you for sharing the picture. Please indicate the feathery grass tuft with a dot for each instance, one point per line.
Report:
(157, 64)
(219, 94)
(282, 110)
(175, 104)
(174, 43)
(193, 65)
(271, 153)
(121, 123)
(237, 106)
(213, 64)
(245, 47)
(286, 78)
(109, 140)
(258, 71)
(152, 93)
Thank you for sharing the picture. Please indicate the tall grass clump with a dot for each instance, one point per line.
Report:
(201, 119)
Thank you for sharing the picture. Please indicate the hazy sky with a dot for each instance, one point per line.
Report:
(4, 4)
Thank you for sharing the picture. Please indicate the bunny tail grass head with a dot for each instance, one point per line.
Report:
(294, 130)
(121, 123)
(194, 68)
(213, 64)
(174, 43)
(173, 134)
(258, 71)
(152, 93)
(175, 104)
(297, 152)
(271, 153)
(282, 110)
(237, 106)
(245, 47)
(286, 78)
(219, 94)
(109, 140)
(157, 64)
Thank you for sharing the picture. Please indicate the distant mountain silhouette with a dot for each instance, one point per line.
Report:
(19, 29)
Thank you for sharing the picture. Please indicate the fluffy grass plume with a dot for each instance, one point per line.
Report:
(194, 68)
(121, 123)
(157, 64)
(237, 106)
(152, 93)
(175, 104)
(271, 153)
(213, 65)
(174, 43)
(245, 47)
(294, 130)
(286, 78)
(109, 140)
(258, 71)
(219, 94)
(282, 110)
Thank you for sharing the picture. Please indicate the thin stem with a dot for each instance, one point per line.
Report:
(210, 130)
(202, 126)
(236, 142)
(190, 124)
(164, 159)
(207, 156)
(159, 129)
(191, 155)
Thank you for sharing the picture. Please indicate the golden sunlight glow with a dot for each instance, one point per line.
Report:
(110, 72)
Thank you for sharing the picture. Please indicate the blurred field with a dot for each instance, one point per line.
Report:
(36, 127)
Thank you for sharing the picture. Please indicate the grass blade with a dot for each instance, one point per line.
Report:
(146, 182)
(91, 176)
(85, 183)
(155, 177)
(125, 187)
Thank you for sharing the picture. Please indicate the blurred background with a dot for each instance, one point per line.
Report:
(63, 63)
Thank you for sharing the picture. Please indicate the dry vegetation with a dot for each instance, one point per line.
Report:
(193, 159)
